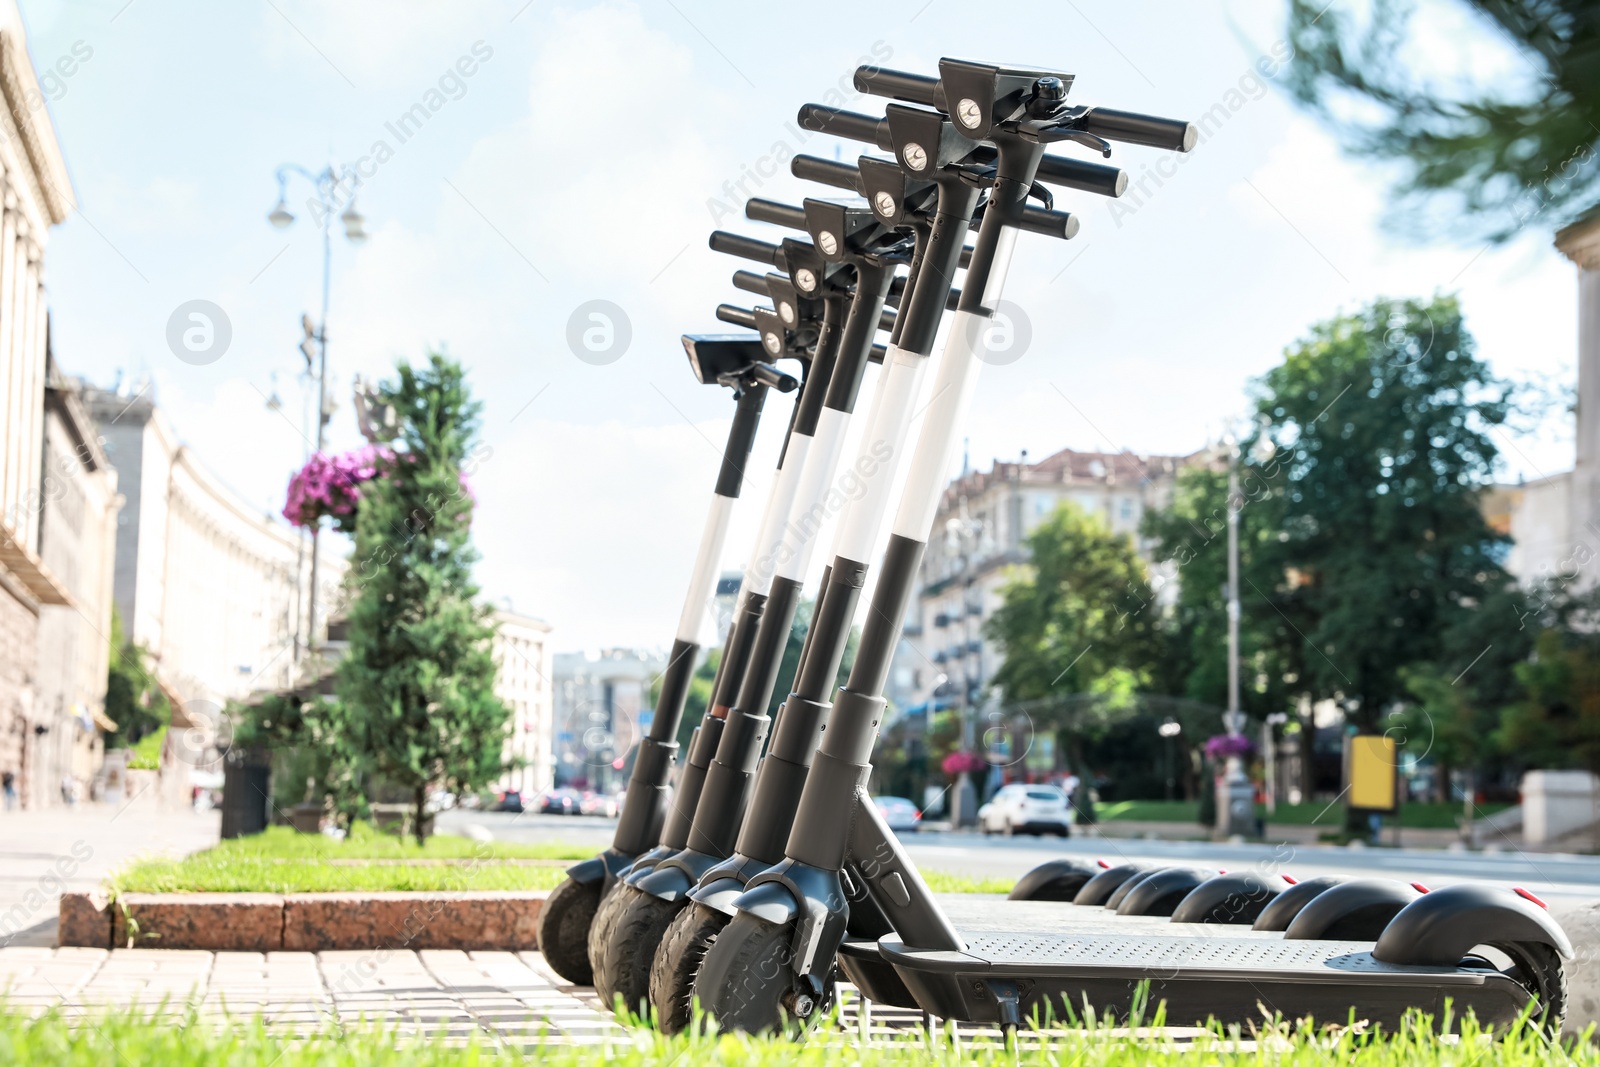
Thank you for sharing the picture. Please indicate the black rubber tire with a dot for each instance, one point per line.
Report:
(624, 972)
(744, 981)
(678, 961)
(605, 919)
(1540, 970)
(564, 923)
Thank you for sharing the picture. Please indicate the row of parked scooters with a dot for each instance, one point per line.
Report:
(766, 874)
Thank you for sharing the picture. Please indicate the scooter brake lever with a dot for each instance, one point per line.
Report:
(1066, 131)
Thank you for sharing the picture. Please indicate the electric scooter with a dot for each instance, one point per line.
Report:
(832, 296)
(567, 913)
(648, 900)
(772, 964)
(937, 208)
(816, 280)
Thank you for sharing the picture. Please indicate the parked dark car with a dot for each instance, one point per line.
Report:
(559, 802)
(510, 800)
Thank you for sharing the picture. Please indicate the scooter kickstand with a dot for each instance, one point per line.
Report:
(1008, 998)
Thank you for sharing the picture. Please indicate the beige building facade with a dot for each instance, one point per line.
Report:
(77, 541)
(35, 195)
(980, 533)
(214, 589)
(523, 681)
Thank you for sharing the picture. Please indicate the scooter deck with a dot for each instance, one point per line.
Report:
(864, 964)
(1002, 977)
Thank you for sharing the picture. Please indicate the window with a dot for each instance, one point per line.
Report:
(1127, 507)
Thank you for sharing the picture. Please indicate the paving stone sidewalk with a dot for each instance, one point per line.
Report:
(510, 995)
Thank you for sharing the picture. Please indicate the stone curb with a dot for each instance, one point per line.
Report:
(302, 922)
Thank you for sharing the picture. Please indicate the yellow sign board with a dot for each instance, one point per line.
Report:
(1370, 774)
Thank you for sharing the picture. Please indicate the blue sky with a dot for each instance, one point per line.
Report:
(585, 157)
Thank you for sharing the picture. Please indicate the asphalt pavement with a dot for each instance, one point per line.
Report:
(1551, 876)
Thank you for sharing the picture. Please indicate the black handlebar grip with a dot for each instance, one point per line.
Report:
(736, 316)
(1132, 128)
(886, 320)
(966, 258)
(1078, 174)
(819, 118)
(773, 378)
(762, 210)
(751, 282)
(877, 354)
(1050, 223)
(826, 172)
(745, 247)
(898, 85)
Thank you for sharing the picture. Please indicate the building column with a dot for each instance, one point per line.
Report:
(1580, 242)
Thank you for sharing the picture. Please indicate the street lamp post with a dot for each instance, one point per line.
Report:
(1269, 755)
(1235, 798)
(965, 535)
(329, 188)
(1169, 730)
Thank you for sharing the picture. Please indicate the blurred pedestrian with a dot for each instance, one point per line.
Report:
(8, 784)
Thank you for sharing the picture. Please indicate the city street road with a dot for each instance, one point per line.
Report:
(1551, 876)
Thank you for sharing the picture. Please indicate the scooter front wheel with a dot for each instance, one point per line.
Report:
(745, 982)
(623, 968)
(678, 961)
(564, 923)
(605, 920)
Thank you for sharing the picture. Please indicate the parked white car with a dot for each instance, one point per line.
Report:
(1026, 809)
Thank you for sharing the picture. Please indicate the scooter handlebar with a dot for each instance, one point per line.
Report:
(1049, 223)
(898, 85)
(772, 377)
(1078, 174)
(826, 172)
(1131, 127)
(819, 118)
(736, 316)
(763, 210)
(1126, 126)
(750, 282)
(734, 244)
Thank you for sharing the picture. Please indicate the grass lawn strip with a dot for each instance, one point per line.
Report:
(53, 1039)
(284, 861)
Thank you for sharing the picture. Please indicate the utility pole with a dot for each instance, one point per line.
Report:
(1235, 798)
(331, 186)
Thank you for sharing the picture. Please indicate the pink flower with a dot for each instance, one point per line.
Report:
(963, 763)
(331, 486)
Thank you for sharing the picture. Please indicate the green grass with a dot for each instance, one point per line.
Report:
(1412, 816)
(940, 882)
(124, 1038)
(283, 861)
(146, 752)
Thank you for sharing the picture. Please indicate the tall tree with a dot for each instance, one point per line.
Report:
(134, 701)
(1191, 539)
(1380, 425)
(1498, 153)
(1079, 618)
(1556, 721)
(416, 691)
